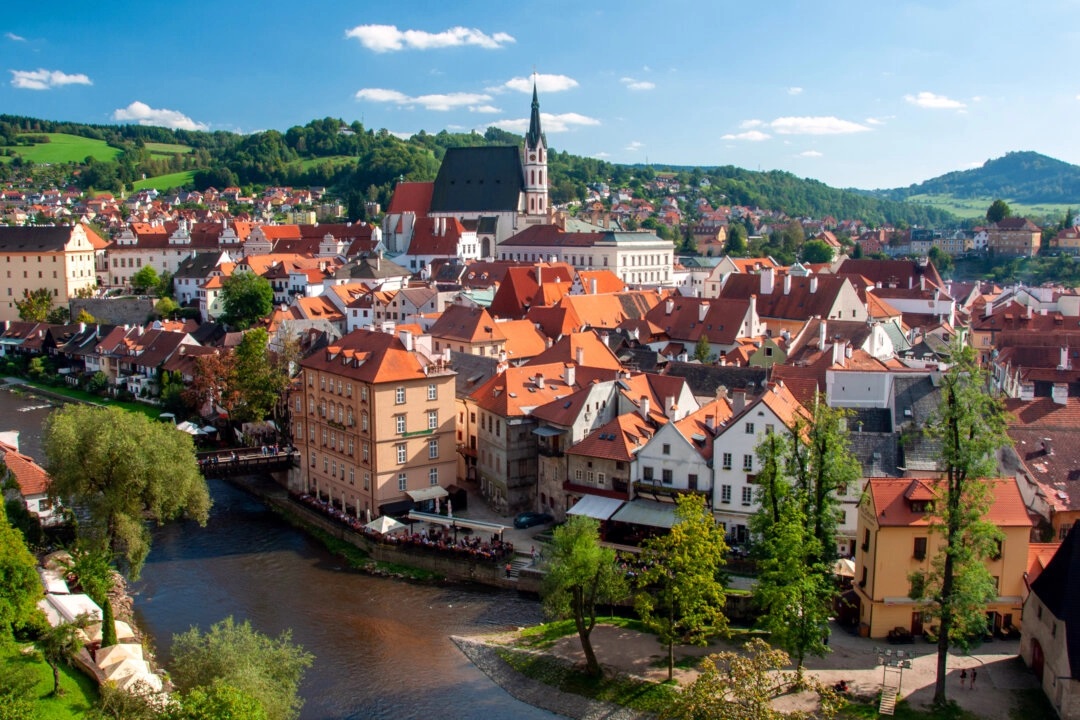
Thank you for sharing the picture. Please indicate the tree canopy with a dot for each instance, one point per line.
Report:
(816, 251)
(246, 298)
(35, 305)
(125, 469)
(20, 586)
(145, 279)
(998, 211)
(266, 669)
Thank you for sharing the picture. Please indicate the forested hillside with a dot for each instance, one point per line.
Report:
(362, 164)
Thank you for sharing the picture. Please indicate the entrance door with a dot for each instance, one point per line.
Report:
(916, 623)
(1037, 659)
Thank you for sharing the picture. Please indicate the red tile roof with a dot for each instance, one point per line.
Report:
(31, 477)
(412, 197)
(894, 509)
(372, 357)
(617, 440)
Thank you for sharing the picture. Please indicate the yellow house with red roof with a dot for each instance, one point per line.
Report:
(896, 538)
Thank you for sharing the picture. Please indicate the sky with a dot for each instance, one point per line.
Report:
(854, 93)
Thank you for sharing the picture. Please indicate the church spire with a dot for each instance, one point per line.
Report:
(532, 140)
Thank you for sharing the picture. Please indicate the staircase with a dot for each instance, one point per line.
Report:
(888, 700)
(517, 563)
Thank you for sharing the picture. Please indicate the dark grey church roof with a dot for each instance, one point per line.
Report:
(45, 238)
(479, 179)
(705, 379)
(1058, 586)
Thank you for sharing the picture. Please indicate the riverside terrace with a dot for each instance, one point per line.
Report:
(445, 541)
(245, 461)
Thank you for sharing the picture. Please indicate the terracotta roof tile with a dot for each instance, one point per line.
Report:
(894, 509)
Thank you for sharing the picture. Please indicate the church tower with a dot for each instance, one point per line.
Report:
(534, 164)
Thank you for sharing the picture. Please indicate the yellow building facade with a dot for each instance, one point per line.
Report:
(57, 258)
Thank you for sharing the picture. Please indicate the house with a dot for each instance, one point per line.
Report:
(1050, 637)
(895, 527)
(678, 458)
(31, 485)
(59, 259)
(468, 329)
(374, 425)
(1014, 236)
(718, 322)
(788, 302)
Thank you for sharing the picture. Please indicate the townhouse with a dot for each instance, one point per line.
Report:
(59, 259)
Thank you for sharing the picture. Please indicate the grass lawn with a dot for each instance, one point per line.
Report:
(863, 711)
(149, 411)
(63, 148)
(164, 182)
(334, 160)
(168, 149)
(976, 207)
(79, 693)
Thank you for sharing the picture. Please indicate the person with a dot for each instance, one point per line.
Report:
(509, 567)
(974, 672)
(963, 677)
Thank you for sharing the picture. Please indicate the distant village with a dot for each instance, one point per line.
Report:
(567, 364)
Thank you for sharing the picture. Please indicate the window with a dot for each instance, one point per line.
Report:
(433, 476)
(862, 582)
(366, 452)
(432, 392)
(769, 428)
(325, 464)
(667, 476)
(592, 477)
(351, 446)
(600, 478)
(433, 448)
(666, 449)
(401, 453)
(725, 494)
(314, 459)
(364, 421)
(747, 496)
(727, 461)
(841, 489)
(299, 404)
(402, 482)
(367, 480)
(920, 548)
(399, 396)
(748, 462)
(692, 481)
(352, 476)
(749, 428)
(333, 468)
(363, 393)
(433, 419)
(399, 422)
(866, 541)
(578, 475)
(647, 473)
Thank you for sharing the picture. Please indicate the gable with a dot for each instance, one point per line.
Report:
(478, 179)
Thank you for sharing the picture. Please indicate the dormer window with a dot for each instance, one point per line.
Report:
(921, 506)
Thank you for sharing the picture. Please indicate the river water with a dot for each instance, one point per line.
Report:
(382, 647)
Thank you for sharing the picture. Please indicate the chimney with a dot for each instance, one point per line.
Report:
(1063, 361)
(988, 309)
(821, 335)
(768, 280)
(579, 355)
(643, 406)
(922, 282)
(669, 306)
(1028, 312)
(539, 380)
(838, 353)
(702, 311)
(813, 284)
(787, 284)
(738, 401)
(669, 407)
(592, 286)
(570, 374)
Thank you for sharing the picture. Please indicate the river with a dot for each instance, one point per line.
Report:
(382, 647)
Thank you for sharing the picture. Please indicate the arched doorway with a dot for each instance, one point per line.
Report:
(485, 248)
(1037, 659)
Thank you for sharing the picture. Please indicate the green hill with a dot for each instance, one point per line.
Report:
(62, 148)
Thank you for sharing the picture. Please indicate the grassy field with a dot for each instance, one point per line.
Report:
(335, 160)
(164, 182)
(168, 149)
(63, 148)
(976, 207)
(78, 691)
(149, 411)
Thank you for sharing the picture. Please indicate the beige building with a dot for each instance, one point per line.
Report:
(374, 425)
(60, 259)
(896, 540)
(1014, 237)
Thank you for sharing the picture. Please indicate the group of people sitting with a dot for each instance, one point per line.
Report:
(437, 540)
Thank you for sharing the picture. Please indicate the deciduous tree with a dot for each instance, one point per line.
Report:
(246, 298)
(125, 469)
(20, 587)
(816, 251)
(145, 279)
(998, 211)
(259, 379)
(582, 575)
(59, 644)
(264, 668)
(35, 305)
(970, 424)
(681, 595)
(702, 351)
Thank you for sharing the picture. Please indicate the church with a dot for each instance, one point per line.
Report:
(494, 193)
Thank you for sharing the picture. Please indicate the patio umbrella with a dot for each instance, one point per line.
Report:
(449, 509)
(844, 567)
(384, 525)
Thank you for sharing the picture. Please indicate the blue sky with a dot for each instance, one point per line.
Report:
(854, 93)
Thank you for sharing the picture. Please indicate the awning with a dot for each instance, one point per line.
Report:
(398, 507)
(646, 512)
(457, 522)
(595, 506)
(428, 493)
(545, 431)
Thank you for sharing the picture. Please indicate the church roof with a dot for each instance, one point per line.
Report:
(535, 135)
(479, 179)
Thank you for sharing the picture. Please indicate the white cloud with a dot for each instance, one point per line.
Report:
(810, 154)
(551, 123)
(823, 125)
(749, 136)
(46, 79)
(442, 101)
(387, 38)
(485, 109)
(544, 83)
(635, 146)
(934, 102)
(794, 91)
(13, 36)
(747, 124)
(632, 84)
(143, 114)
(874, 121)
(601, 155)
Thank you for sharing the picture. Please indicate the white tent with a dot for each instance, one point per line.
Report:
(54, 582)
(127, 666)
(384, 525)
(106, 657)
(147, 681)
(92, 633)
(70, 607)
(844, 567)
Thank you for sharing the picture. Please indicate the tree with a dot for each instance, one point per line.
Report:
(59, 315)
(802, 473)
(259, 381)
(970, 424)
(125, 469)
(682, 593)
(213, 384)
(702, 351)
(857, 251)
(742, 686)
(816, 251)
(35, 305)
(998, 211)
(942, 260)
(219, 701)
(145, 279)
(18, 694)
(59, 644)
(117, 704)
(165, 307)
(108, 624)
(85, 317)
(581, 576)
(246, 298)
(20, 586)
(736, 239)
(266, 669)
(92, 570)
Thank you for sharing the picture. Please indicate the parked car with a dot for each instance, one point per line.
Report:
(530, 518)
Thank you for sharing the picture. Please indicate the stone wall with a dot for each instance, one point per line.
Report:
(115, 311)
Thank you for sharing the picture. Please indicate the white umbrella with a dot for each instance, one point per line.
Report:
(449, 509)
(385, 525)
(844, 567)
(436, 506)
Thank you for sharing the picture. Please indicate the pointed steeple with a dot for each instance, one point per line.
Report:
(535, 135)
